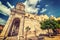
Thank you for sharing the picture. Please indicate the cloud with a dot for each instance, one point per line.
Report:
(43, 10)
(46, 5)
(2, 21)
(30, 6)
(38, 6)
(10, 5)
(34, 2)
(4, 10)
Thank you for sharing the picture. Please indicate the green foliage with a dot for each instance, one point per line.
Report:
(50, 24)
(59, 21)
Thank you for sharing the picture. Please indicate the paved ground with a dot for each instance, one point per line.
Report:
(55, 38)
(46, 38)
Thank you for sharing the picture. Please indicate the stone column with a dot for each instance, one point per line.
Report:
(21, 29)
(5, 29)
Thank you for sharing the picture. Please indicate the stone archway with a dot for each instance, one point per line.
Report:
(14, 27)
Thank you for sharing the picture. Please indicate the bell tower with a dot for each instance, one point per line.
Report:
(15, 24)
(15, 28)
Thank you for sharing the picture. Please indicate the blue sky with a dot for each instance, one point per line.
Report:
(49, 7)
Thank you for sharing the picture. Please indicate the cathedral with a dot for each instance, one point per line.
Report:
(19, 20)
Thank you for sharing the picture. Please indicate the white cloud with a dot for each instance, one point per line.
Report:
(2, 21)
(0, 2)
(32, 8)
(4, 10)
(10, 5)
(34, 2)
(43, 10)
(29, 7)
(52, 15)
(38, 6)
(46, 5)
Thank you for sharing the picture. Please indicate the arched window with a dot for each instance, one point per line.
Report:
(14, 27)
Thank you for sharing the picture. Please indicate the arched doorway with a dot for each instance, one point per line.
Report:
(14, 27)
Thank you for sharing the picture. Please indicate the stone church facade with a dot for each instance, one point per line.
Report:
(19, 20)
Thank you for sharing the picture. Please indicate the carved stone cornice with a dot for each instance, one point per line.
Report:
(18, 11)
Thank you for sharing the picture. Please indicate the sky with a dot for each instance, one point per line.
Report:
(49, 7)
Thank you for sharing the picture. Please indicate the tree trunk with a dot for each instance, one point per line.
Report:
(49, 34)
(54, 32)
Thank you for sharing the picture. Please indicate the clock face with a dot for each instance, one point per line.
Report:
(20, 7)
